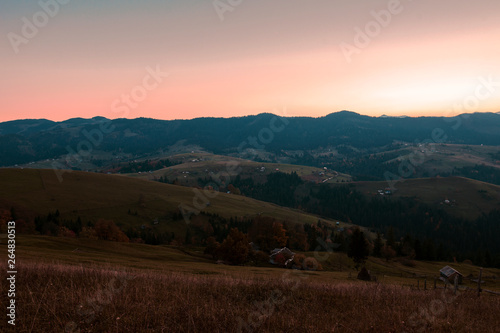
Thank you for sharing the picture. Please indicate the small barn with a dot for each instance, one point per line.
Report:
(283, 256)
(448, 273)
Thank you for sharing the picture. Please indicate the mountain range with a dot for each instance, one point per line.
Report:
(24, 141)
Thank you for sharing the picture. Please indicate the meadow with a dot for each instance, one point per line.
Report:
(67, 285)
(466, 197)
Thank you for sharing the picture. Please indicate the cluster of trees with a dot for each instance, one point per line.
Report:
(231, 239)
(279, 188)
(145, 166)
(362, 167)
(268, 233)
(236, 249)
(483, 173)
(435, 234)
(53, 225)
(23, 224)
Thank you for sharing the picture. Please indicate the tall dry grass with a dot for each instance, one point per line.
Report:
(58, 298)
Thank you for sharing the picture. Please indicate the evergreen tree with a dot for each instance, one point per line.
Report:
(377, 246)
(390, 238)
(13, 214)
(419, 255)
(187, 239)
(339, 242)
(312, 237)
(358, 248)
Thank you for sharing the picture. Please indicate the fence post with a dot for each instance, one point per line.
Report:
(425, 284)
(456, 285)
(479, 282)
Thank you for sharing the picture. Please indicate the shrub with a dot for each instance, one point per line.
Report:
(298, 259)
(311, 264)
(407, 262)
(88, 232)
(107, 230)
(65, 232)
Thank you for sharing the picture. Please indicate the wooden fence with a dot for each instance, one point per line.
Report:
(455, 286)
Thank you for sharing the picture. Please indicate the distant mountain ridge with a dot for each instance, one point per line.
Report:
(23, 141)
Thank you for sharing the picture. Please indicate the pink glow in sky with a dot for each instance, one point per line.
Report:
(429, 58)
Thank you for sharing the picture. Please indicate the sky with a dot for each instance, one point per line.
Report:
(182, 59)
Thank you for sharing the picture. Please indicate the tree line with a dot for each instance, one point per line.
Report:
(435, 234)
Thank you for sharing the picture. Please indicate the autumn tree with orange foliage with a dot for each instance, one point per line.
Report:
(267, 233)
(279, 234)
(107, 230)
(297, 237)
(212, 247)
(233, 190)
(235, 248)
(5, 217)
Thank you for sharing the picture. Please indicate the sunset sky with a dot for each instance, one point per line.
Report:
(421, 57)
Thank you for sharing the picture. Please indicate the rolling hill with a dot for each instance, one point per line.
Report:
(457, 195)
(129, 202)
(192, 166)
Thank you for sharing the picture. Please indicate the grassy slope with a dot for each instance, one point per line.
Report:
(90, 286)
(54, 297)
(471, 197)
(444, 157)
(191, 260)
(92, 196)
(197, 163)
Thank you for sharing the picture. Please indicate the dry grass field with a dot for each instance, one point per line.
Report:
(68, 285)
(65, 298)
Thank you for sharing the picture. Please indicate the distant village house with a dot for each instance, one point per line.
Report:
(448, 273)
